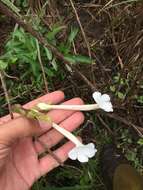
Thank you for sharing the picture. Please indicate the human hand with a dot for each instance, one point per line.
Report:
(19, 163)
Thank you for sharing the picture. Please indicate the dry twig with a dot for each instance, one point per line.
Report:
(105, 6)
(84, 36)
(42, 67)
(138, 129)
(105, 125)
(81, 28)
(6, 94)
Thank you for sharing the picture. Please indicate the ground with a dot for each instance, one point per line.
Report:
(114, 33)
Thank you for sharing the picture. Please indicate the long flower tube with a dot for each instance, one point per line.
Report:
(80, 152)
(102, 102)
(87, 107)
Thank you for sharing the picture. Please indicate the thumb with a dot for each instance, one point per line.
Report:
(18, 128)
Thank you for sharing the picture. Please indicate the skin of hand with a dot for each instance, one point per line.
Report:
(19, 163)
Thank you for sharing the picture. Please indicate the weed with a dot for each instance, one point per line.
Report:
(120, 87)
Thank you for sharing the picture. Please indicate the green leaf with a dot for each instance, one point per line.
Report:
(64, 48)
(54, 64)
(3, 65)
(49, 72)
(140, 99)
(56, 29)
(120, 95)
(73, 34)
(48, 53)
(140, 141)
(83, 59)
(13, 60)
(116, 78)
(19, 35)
(70, 58)
(112, 88)
(79, 59)
(34, 68)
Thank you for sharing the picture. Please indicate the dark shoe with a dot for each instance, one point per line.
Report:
(117, 172)
(110, 159)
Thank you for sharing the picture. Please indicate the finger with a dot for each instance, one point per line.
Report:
(52, 137)
(23, 127)
(48, 163)
(58, 116)
(54, 97)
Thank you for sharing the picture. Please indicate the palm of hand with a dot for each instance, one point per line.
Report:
(21, 166)
(19, 163)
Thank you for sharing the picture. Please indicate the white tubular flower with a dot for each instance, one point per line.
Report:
(103, 101)
(80, 152)
(88, 107)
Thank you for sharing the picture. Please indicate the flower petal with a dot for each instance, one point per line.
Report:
(90, 150)
(82, 158)
(96, 96)
(87, 150)
(90, 145)
(73, 154)
(105, 98)
(92, 153)
(107, 106)
(103, 101)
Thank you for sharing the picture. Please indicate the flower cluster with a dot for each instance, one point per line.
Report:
(81, 152)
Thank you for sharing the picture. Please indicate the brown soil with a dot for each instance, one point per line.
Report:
(6, 26)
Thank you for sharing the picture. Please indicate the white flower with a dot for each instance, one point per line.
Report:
(103, 101)
(82, 152)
